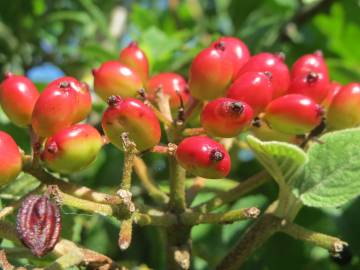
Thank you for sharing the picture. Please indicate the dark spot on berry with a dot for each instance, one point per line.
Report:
(268, 74)
(64, 84)
(113, 100)
(312, 77)
(236, 107)
(220, 46)
(256, 122)
(52, 148)
(216, 155)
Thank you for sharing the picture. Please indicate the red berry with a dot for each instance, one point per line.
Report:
(115, 78)
(293, 114)
(254, 88)
(72, 149)
(83, 107)
(310, 63)
(203, 157)
(10, 158)
(17, 97)
(333, 89)
(172, 84)
(237, 50)
(135, 58)
(210, 73)
(226, 117)
(312, 84)
(132, 116)
(54, 110)
(274, 64)
(344, 110)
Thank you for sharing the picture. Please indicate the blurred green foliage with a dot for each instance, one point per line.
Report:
(77, 35)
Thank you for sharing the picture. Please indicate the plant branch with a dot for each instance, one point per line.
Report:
(187, 132)
(177, 186)
(148, 183)
(332, 244)
(194, 218)
(235, 193)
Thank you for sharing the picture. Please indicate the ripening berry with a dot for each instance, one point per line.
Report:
(83, 103)
(293, 114)
(172, 84)
(344, 110)
(115, 78)
(274, 65)
(310, 63)
(10, 159)
(17, 98)
(204, 157)
(132, 116)
(54, 110)
(210, 73)
(253, 88)
(226, 117)
(72, 149)
(333, 89)
(237, 51)
(136, 59)
(313, 85)
(265, 133)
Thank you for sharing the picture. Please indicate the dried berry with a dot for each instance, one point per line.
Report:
(38, 224)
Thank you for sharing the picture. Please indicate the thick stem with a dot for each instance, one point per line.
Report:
(125, 234)
(193, 132)
(235, 193)
(154, 192)
(254, 237)
(177, 187)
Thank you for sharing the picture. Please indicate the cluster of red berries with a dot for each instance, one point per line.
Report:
(241, 93)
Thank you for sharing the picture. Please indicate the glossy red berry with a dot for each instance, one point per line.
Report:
(253, 88)
(293, 114)
(72, 149)
(313, 85)
(226, 117)
(274, 64)
(344, 110)
(237, 50)
(333, 89)
(17, 98)
(310, 63)
(134, 117)
(83, 103)
(172, 84)
(210, 73)
(54, 110)
(203, 157)
(10, 159)
(115, 78)
(136, 59)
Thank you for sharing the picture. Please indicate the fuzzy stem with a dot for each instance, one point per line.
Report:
(194, 218)
(177, 186)
(154, 192)
(89, 206)
(332, 244)
(235, 193)
(125, 234)
(193, 132)
(162, 118)
(70, 188)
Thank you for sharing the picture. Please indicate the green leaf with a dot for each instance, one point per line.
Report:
(331, 177)
(282, 160)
